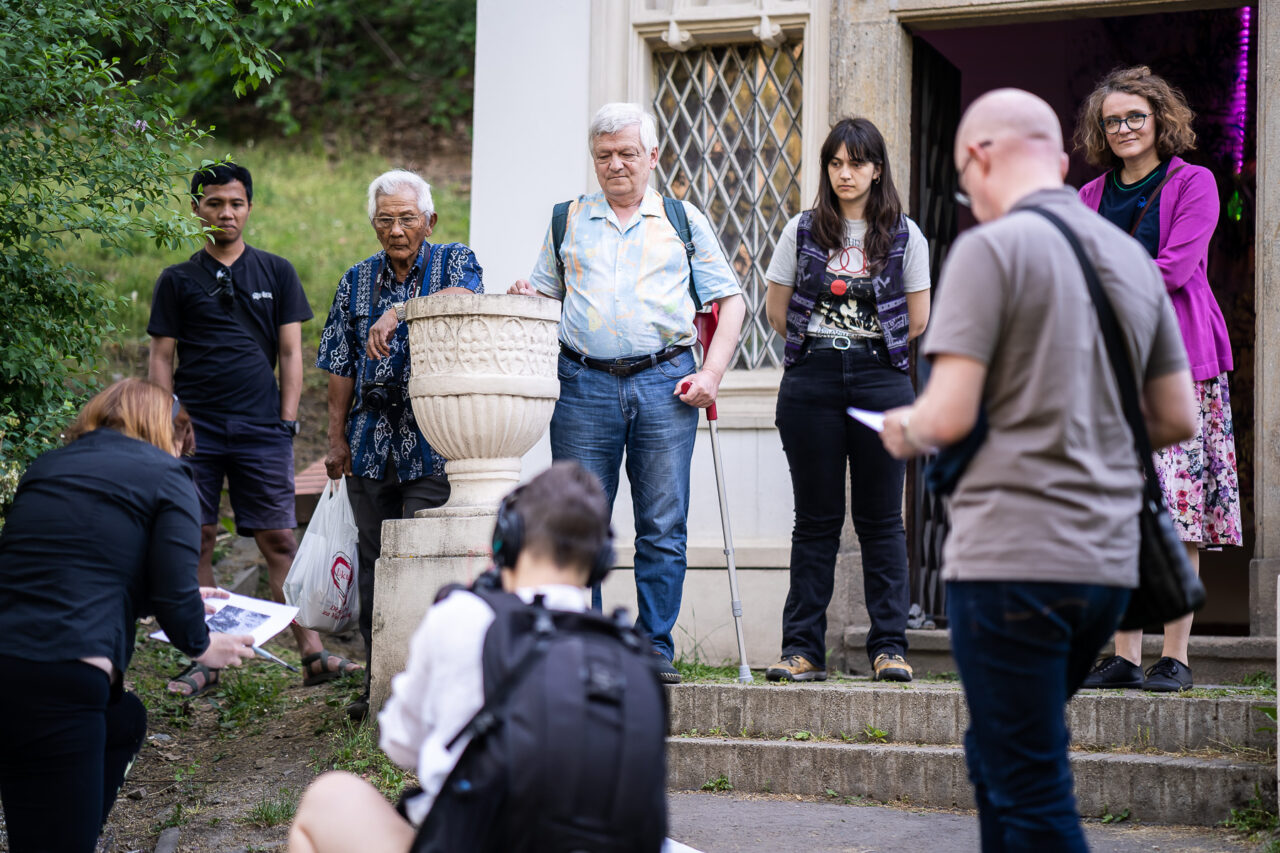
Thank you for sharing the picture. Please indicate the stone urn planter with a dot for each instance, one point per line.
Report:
(483, 386)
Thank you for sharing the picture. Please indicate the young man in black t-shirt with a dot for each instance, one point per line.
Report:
(229, 314)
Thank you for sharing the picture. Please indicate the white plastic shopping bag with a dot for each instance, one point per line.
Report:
(323, 580)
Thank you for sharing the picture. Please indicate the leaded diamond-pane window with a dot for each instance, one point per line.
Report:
(729, 142)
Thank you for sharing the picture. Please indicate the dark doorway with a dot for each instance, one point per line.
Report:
(1208, 54)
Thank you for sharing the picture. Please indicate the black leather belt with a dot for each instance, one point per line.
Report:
(622, 367)
(844, 343)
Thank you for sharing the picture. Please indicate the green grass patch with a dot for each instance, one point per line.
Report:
(354, 748)
(309, 206)
(276, 811)
(697, 671)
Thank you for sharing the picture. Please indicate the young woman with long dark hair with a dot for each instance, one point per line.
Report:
(848, 287)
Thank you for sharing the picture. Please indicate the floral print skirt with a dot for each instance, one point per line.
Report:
(1198, 476)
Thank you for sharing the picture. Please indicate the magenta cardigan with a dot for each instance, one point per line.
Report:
(1188, 216)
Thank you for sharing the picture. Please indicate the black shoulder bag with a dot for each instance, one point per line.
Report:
(1168, 587)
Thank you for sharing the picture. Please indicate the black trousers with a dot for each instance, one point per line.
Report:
(67, 746)
(373, 502)
(821, 441)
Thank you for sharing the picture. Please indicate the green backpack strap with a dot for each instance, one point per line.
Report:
(559, 218)
(680, 221)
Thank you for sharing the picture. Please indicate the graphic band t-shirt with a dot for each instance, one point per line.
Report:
(1121, 204)
(222, 370)
(847, 302)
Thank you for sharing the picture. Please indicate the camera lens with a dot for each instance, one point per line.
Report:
(376, 398)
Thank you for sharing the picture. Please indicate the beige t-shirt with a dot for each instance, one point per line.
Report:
(1053, 494)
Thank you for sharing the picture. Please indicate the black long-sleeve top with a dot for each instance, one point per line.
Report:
(101, 531)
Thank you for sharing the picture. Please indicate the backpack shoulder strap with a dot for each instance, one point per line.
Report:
(679, 220)
(505, 607)
(559, 220)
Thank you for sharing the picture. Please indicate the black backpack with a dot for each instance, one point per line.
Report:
(568, 754)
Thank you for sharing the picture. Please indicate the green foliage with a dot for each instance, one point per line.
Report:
(348, 63)
(696, 670)
(90, 152)
(1116, 817)
(720, 783)
(308, 207)
(1255, 821)
(354, 748)
(873, 735)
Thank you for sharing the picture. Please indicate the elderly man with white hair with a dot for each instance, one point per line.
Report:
(374, 440)
(632, 268)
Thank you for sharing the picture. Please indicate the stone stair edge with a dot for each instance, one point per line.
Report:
(938, 639)
(1164, 789)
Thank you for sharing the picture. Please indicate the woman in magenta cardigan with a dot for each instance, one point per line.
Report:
(1137, 124)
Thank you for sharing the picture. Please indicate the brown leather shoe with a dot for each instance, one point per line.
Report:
(891, 668)
(795, 668)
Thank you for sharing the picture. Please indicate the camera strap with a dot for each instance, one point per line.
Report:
(196, 271)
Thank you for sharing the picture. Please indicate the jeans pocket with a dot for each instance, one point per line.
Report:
(567, 368)
(678, 367)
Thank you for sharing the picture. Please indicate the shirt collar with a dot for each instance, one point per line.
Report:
(389, 276)
(650, 205)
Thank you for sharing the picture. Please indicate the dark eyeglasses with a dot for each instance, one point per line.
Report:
(226, 291)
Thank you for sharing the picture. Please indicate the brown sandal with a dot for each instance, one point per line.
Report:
(314, 677)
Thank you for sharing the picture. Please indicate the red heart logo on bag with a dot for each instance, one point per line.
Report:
(342, 573)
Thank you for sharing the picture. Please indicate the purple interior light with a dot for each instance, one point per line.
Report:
(1240, 96)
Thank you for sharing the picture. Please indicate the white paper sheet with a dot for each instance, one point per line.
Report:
(241, 614)
(875, 420)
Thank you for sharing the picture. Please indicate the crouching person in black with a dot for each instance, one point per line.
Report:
(533, 725)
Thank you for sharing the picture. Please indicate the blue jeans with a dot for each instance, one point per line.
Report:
(1023, 649)
(822, 442)
(597, 418)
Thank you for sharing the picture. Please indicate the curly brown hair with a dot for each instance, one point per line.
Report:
(1172, 116)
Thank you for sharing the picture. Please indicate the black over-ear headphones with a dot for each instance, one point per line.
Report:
(508, 540)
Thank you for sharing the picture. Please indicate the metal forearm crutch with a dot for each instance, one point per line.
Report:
(705, 322)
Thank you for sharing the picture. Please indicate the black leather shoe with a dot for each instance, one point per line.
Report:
(1168, 675)
(1114, 673)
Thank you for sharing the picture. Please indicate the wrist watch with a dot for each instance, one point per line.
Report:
(399, 308)
(295, 428)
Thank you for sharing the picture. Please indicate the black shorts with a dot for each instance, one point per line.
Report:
(257, 461)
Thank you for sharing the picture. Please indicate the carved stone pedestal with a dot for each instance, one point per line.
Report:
(483, 388)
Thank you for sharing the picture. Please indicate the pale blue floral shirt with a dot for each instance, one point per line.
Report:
(626, 288)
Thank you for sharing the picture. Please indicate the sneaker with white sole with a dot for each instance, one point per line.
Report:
(889, 667)
(795, 668)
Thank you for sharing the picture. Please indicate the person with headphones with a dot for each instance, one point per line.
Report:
(551, 542)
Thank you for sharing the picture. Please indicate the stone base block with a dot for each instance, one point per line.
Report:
(419, 556)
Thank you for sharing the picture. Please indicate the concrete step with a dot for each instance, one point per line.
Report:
(1213, 660)
(933, 713)
(1154, 788)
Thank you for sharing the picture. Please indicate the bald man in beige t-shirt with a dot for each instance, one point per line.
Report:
(1044, 544)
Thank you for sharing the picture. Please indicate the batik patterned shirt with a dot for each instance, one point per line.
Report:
(365, 293)
(626, 287)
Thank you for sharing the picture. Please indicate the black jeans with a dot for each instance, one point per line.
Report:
(819, 438)
(373, 502)
(68, 743)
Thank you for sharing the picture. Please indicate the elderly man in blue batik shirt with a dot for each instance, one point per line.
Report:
(626, 332)
(374, 439)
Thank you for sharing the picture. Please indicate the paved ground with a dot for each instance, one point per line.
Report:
(728, 823)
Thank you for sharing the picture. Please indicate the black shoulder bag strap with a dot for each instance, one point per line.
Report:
(197, 272)
(1111, 337)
